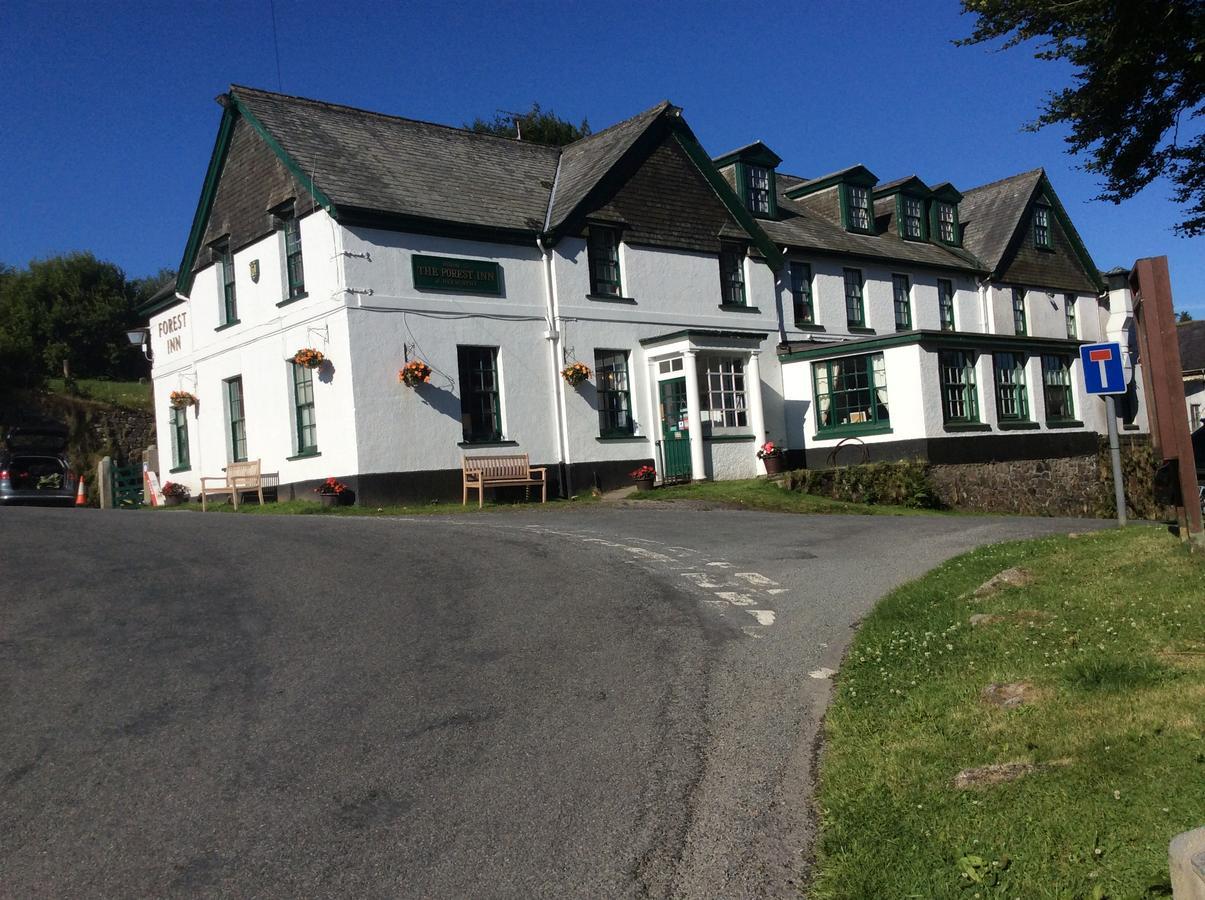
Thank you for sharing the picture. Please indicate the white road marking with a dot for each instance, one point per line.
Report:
(701, 580)
(721, 565)
(649, 554)
(755, 578)
(751, 631)
(763, 616)
(602, 541)
(735, 599)
(822, 673)
(776, 591)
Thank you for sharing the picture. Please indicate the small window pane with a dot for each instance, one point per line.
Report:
(732, 274)
(801, 293)
(758, 189)
(603, 253)
(903, 305)
(945, 303)
(614, 394)
(855, 314)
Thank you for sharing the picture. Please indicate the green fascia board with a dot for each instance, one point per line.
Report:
(938, 340)
(688, 142)
(859, 175)
(703, 333)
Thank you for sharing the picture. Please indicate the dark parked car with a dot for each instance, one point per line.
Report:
(34, 467)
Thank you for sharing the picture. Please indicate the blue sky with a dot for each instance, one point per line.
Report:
(110, 119)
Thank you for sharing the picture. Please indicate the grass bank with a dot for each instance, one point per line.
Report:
(761, 493)
(1109, 639)
(130, 394)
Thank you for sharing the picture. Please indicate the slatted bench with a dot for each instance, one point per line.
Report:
(481, 472)
(240, 478)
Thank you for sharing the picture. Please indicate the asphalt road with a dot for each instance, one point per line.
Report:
(586, 702)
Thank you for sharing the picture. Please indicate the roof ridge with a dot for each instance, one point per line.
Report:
(658, 107)
(372, 112)
(998, 181)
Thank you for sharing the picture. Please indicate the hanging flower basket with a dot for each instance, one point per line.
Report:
(182, 399)
(309, 358)
(576, 373)
(414, 373)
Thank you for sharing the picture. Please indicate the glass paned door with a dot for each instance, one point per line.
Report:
(675, 431)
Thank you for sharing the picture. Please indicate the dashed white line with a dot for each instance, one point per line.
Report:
(755, 578)
(763, 616)
(735, 599)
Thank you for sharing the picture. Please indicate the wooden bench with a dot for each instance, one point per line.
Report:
(240, 477)
(481, 472)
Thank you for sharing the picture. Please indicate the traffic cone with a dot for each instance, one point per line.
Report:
(81, 499)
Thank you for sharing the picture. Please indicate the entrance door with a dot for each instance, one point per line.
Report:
(675, 431)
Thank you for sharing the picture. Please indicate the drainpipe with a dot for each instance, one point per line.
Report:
(553, 336)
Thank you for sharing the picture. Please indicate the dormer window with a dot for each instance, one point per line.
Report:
(757, 190)
(857, 208)
(947, 223)
(1041, 228)
(912, 218)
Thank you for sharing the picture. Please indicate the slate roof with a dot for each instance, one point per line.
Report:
(800, 227)
(1192, 346)
(989, 215)
(370, 161)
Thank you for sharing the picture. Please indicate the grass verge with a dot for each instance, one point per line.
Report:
(761, 493)
(130, 394)
(1111, 637)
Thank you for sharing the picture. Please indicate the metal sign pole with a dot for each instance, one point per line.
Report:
(1119, 496)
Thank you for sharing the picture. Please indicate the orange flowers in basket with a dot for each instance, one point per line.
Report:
(181, 399)
(414, 373)
(308, 358)
(575, 373)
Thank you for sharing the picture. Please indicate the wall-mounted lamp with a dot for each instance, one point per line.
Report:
(140, 337)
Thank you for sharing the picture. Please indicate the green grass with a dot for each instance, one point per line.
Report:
(315, 508)
(130, 394)
(1112, 636)
(761, 493)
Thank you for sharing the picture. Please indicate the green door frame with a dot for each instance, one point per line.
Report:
(675, 430)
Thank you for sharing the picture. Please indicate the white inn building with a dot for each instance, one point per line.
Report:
(718, 303)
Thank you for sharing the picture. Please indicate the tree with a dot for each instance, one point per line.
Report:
(535, 126)
(1185, 316)
(1137, 106)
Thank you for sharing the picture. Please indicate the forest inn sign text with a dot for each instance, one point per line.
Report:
(469, 276)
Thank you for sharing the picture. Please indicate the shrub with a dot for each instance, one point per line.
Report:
(903, 483)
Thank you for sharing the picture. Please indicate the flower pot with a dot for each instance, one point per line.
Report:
(774, 464)
(172, 501)
(644, 484)
(330, 500)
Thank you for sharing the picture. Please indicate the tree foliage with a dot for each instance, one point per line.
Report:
(68, 315)
(1136, 109)
(537, 125)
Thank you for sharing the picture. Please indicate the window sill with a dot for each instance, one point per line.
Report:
(1064, 423)
(179, 469)
(287, 300)
(807, 326)
(308, 454)
(229, 324)
(850, 431)
(728, 438)
(610, 298)
(486, 443)
(739, 307)
(966, 426)
(1017, 425)
(861, 329)
(622, 439)
(900, 329)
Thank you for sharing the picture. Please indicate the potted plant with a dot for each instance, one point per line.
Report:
(182, 399)
(644, 477)
(575, 373)
(175, 493)
(772, 456)
(414, 373)
(332, 492)
(309, 358)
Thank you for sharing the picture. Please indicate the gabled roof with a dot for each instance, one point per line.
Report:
(858, 174)
(908, 182)
(756, 152)
(1192, 346)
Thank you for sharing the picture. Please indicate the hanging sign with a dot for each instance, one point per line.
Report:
(468, 276)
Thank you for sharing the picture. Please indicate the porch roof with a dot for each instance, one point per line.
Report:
(693, 334)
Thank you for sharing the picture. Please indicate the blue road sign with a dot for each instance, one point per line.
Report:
(1103, 371)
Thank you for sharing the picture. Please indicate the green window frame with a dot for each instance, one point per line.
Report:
(946, 215)
(945, 303)
(1041, 228)
(1056, 388)
(857, 208)
(732, 274)
(179, 431)
(294, 265)
(855, 301)
(801, 293)
(1020, 326)
(614, 393)
(1012, 393)
(480, 397)
(304, 421)
(602, 250)
(759, 190)
(236, 418)
(229, 295)
(1069, 314)
(851, 395)
(959, 393)
(901, 290)
(911, 212)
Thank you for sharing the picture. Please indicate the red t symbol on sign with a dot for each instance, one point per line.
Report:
(1100, 356)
